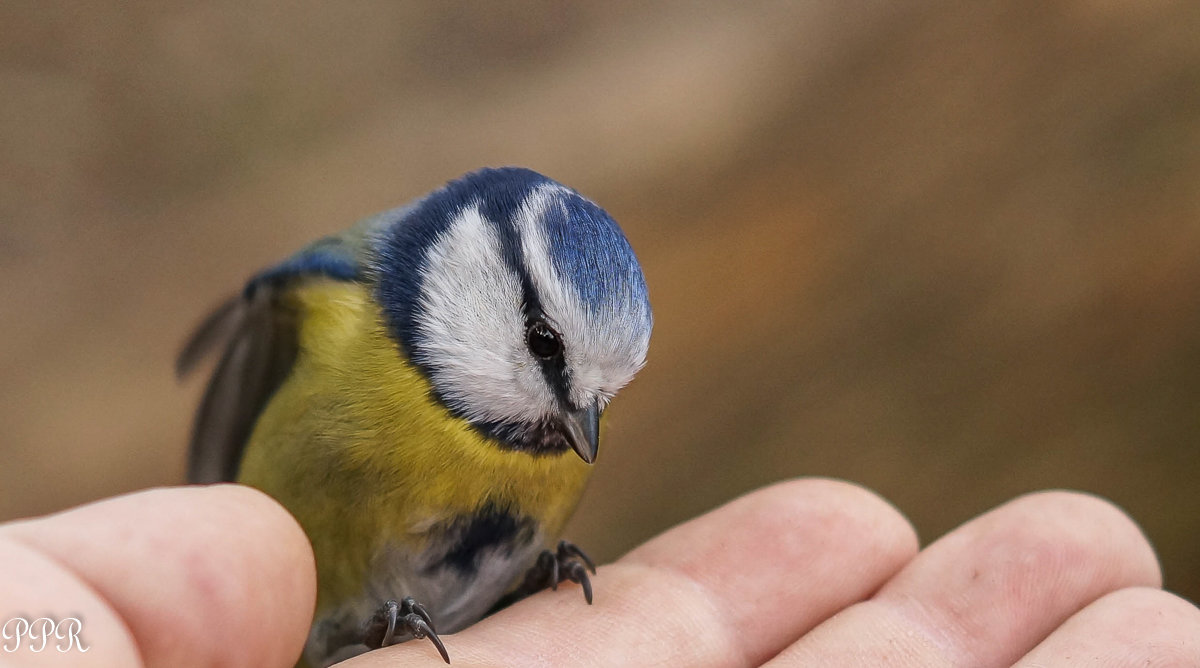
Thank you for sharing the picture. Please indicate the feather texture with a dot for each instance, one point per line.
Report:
(257, 330)
(382, 385)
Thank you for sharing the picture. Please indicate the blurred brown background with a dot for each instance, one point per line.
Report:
(948, 250)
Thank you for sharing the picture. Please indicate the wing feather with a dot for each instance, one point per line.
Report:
(258, 330)
(257, 359)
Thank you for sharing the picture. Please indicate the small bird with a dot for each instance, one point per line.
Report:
(423, 392)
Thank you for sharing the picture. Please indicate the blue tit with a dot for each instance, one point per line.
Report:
(423, 392)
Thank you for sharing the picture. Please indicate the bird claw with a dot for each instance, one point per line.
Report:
(568, 550)
(568, 562)
(407, 616)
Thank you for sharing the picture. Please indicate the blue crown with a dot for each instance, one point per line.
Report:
(587, 247)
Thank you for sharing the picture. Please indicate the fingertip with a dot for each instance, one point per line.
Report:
(1105, 530)
(839, 499)
(257, 572)
(259, 510)
(808, 546)
(788, 520)
(1153, 604)
(215, 575)
(35, 590)
(1132, 626)
(1001, 581)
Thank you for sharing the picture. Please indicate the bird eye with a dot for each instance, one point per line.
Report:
(543, 342)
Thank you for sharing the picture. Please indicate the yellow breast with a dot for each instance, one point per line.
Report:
(355, 445)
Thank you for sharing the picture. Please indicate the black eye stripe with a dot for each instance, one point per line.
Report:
(554, 365)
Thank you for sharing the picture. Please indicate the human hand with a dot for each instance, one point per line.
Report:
(809, 572)
(823, 573)
(178, 577)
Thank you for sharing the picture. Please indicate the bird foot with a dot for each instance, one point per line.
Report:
(407, 616)
(568, 562)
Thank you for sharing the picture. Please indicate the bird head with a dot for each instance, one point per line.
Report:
(522, 303)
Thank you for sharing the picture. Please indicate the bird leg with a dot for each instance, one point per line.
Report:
(568, 562)
(394, 618)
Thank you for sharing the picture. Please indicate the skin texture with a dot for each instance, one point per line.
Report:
(807, 572)
(165, 577)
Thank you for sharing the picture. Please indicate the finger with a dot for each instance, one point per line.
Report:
(1131, 627)
(730, 588)
(199, 576)
(811, 548)
(33, 587)
(990, 590)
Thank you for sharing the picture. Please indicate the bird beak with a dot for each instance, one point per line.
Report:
(583, 431)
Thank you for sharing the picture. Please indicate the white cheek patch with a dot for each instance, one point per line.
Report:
(471, 328)
(605, 348)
